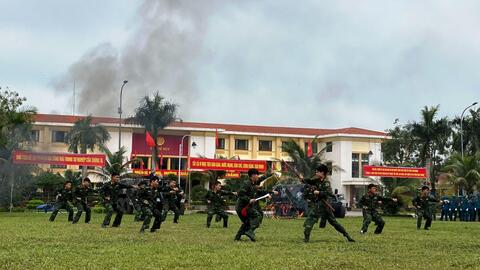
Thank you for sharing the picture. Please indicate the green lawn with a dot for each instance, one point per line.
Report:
(29, 241)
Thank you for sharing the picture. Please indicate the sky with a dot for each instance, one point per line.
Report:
(322, 64)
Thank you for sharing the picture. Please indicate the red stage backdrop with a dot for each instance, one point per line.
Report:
(167, 145)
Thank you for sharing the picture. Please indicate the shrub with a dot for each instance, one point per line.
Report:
(198, 193)
(98, 209)
(33, 203)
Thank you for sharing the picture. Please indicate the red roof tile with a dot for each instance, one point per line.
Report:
(53, 118)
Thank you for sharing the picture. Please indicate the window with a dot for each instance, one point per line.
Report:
(329, 147)
(264, 145)
(57, 166)
(241, 144)
(35, 135)
(221, 143)
(355, 165)
(162, 163)
(174, 164)
(59, 136)
(364, 159)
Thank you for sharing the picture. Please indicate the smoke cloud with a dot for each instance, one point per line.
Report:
(159, 56)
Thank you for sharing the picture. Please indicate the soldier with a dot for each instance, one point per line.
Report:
(445, 208)
(317, 191)
(477, 206)
(81, 194)
(64, 200)
(247, 208)
(453, 211)
(150, 202)
(216, 204)
(137, 205)
(369, 203)
(424, 208)
(171, 194)
(109, 193)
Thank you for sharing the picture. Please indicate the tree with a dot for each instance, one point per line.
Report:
(471, 133)
(155, 114)
(401, 149)
(433, 136)
(464, 172)
(114, 164)
(301, 162)
(49, 182)
(85, 136)
(15, 133)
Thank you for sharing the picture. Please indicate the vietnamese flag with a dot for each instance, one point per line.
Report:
(161, 160)
(309, 149)
(149, 139)
(217, 142)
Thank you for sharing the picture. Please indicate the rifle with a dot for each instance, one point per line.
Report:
(294, 170)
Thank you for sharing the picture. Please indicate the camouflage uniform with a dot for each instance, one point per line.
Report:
(217, 206)
(254, 214)
(151, 205)
(64, 200)
(424, 210)
(171, 203)
(318, 207)
(110, 193)
(81, 202)
(370, 203)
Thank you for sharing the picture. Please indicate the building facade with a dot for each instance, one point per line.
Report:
(347, 149)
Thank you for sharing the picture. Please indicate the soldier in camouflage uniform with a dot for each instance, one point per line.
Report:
(64, 200)
(216, 204)
(247, 208)
(423, 204)
(369, 203)
(171, 194)
(109, 193)
(317, 191)
(81, 194)
(151, 205)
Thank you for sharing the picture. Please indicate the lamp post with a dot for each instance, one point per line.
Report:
(461, 126)
(180, 152)
(120, 113)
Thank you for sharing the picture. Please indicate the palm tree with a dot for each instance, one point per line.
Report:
(155, 114)
(301, 162)
(433, 137)
(464, 172)
(114, 164)
(85, 136)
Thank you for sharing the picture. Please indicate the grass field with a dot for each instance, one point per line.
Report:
(29, 241)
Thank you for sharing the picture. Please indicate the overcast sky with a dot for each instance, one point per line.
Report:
(310, 63)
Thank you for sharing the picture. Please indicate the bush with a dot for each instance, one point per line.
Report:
(33, 203)
(15, 209)
(198, 193)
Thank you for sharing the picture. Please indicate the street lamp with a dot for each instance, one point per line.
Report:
(461, 125)
(120, 113)
(180, 152)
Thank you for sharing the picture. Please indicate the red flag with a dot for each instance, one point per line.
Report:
(309, 149)
(217, 142)
(161, 160)
(149, 139)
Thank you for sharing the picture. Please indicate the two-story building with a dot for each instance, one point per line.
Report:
(347, 149)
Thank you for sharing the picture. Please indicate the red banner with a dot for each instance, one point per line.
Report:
(395, 172)
(227, 164)
(25, 157)
(162, 172)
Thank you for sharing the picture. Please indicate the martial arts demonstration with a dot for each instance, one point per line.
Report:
(154, 200)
